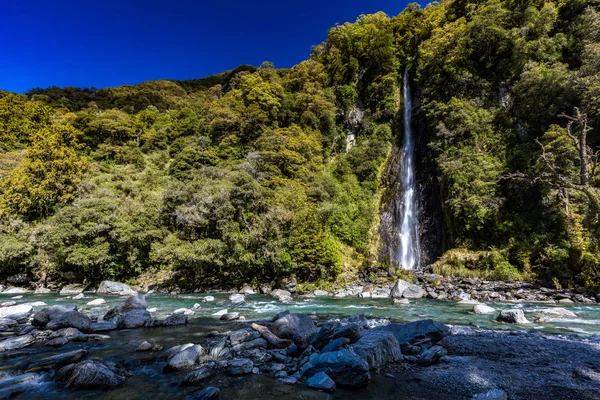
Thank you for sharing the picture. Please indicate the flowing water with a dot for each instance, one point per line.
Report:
(409, 250)
(149, 382)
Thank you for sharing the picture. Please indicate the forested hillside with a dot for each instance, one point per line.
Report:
(246, 177)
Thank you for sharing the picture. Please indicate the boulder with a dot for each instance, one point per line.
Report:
(321, 293)
(237, 299)
(14, 343)
(103, 326)
(483, 309)
(401, 302)
(282, 296)
(173, 320)
(195, 377)
(350, 331)
(424, 331)
(344, 367)
(57, 361)
(240, 366)
(407, 290)
(73, 289)
(399, 288)
(230, 316)
(247, 290)
(185, 359)
(378, 349)
(45, 315)
(145, 346)
(17, 313)
(242, 335)
(259, 343)
(378, 293)
(512, 317)
(432, 355)
(114, 288)
(208, 299)
(549, 314)
(42, 290)
(71, 319)
(133, 319)
(15, 290)
(321, 381)
(79, 296)
(335, 345)
(96, 302)
(209, 393)
(92, 374)
(8, 304)
(58, 342)
(184, 311)
(299, 328)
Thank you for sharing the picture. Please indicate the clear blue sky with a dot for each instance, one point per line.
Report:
(112, 42)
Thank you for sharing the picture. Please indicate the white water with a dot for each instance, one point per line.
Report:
(409, 252)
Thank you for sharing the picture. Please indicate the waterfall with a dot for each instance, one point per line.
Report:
(409, 252)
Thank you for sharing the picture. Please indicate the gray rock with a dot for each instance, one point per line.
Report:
(42, 290)
(512, 317)
(173, 320)
(432, 356)
(483, 309)
(345, 367)
(145, 346)
(185, 359)
(15, 312)
(378, 349)
(57, 361)
(209, 393)
(335, 345)
(133, 319)
(8, 304)
(92, 374)
(230, 316)
(242, 335)
(299, 328)
(379, 293)
(290, 380)
(15, 290)
(321, 381)
(195, 377)
(79, 296)
(282, 296)
(71, 290)
(259, 343)
(58, 342)
(71, 319)
(114, 288)
(321, 293)
(184, 311)
(240, 366)
(103, 326)
(14, 343)
(399, 288)
(96, 302)
(407, 290)
(350, 331)
(237, 299)
(246, 290)
(45, 315)
(494, 394)
(549, 314)
(425, 331)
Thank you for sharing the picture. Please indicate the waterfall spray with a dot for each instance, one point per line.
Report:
(409, 252)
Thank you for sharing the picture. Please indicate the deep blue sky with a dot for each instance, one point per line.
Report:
(113, 42)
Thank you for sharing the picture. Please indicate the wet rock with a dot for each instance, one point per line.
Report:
(350, 331)
(14, 343)
(425, 331)
(432, 356)
(17, 313)
(512, 317)
(24, 330)
(145, 346)
(240, 366)
(71, 319)
(70, 290)
(79, 296)
(282, 296)
(378, 349)
(152, 310)
(321, 293)
(57, 342)
(196, 377)
(185, 359)
(45, 315)
(565, 301)
(381, 293)
(209, 393)
(96, 302)
(259, 343)
(208, 299)
(401, 302)
(114, 288)
(42, 290)
(237, 299)
(494, 394)
(230, 316)
(325, 335)
(92, 374)
(321, 381)
(344, 367)
(299, 328)
(10, 387)
(103, 326)
(483, 309)
(335, 345)
(246, 290)
(15, 290)
(184, 311)
(468, 302)
(133, 319)
(290, 380)
(403, 286)
(57, 361)
(8, 304)
(549, 314)
(173, 320)
(242, 335)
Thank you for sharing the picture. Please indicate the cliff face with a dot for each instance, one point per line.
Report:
(429, 200)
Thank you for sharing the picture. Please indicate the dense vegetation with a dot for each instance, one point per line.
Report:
(245, 176)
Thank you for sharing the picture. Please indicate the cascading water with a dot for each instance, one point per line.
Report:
(409, 251)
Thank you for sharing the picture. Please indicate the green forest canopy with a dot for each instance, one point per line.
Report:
(244, 177)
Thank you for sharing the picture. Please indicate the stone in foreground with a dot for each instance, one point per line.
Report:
(92, 374)
(321, 381)
(344, 367)
(512, 317)
(483, 309)
(240, 366)
(378, 349)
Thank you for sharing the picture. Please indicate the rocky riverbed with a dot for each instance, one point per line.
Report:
(119, 344)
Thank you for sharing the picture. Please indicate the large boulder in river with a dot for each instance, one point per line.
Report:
(407, 290)
(418, 332)
(512, 317)
(115, 288)
(344, 367)
(237, 299)
(92, 374)
(299, 328)
(17, 312)
(71, 319)
(132, 309)
(549, 314)
(57, 360)
(378, 349)
(71, 290)
(184, 359)
(132, 319)
(47, 314)
(483, 309)
(282, 296)
(18, 342)
(173, 320)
